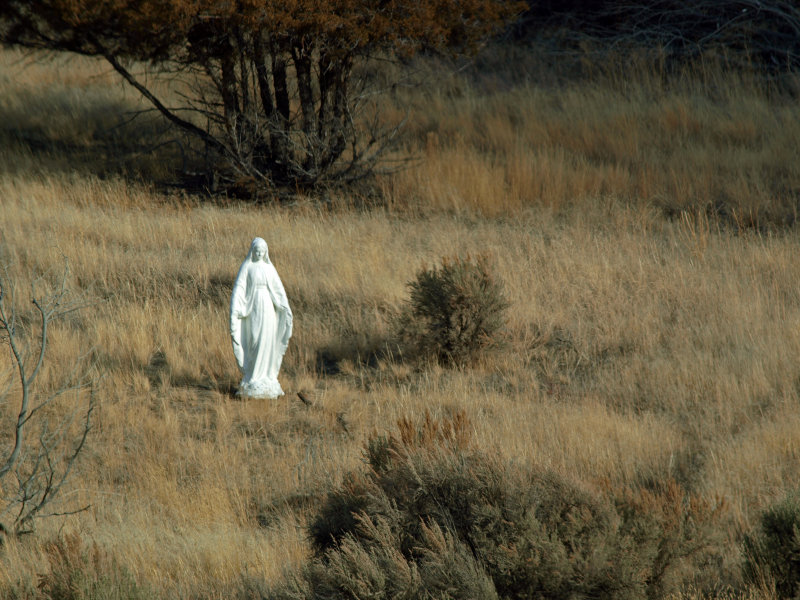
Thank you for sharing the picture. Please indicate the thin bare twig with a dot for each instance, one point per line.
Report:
(40, 467)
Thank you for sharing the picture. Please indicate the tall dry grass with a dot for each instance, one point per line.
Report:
(698, 137)
(640, 346)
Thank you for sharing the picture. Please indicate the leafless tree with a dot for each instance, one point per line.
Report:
(48, 429)
(770, 28)
(767, 31)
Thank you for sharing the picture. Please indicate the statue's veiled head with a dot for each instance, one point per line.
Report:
(259, 250)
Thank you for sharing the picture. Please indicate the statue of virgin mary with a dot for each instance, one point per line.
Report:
(261, 323)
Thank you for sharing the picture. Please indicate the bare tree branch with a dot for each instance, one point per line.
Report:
(41, 457)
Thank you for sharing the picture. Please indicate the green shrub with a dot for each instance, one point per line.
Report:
(432, 517)
(772, 554)
(454, 312)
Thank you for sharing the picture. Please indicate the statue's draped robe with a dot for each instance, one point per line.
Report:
(261, 325)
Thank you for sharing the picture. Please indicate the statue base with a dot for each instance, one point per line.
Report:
(269, 389)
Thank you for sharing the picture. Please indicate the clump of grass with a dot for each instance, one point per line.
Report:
(455, 311)
(80, 572)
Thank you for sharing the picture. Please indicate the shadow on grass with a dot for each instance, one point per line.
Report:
(88, 132)
(161, 375)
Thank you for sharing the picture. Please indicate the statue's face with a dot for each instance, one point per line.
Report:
(258, 253)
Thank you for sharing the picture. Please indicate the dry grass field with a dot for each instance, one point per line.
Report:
(642, 227)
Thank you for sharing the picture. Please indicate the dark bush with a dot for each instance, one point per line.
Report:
(432, 517)
(454, 312)
(772, 554)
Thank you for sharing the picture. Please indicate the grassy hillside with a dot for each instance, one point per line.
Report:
(641, 226)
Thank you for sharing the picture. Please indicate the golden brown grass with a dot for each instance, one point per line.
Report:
(640, 346)
(700, 138)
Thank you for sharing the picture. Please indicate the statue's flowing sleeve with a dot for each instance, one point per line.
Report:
(284, 312)
(238, 309)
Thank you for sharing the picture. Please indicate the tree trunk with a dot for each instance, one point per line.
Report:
(260, 55)
(302, 64)
(265, 154)
(279, 126)
(326, 79)
(230, 96)
(244, 74)
(340, 118)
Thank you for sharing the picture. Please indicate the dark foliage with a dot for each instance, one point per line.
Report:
(455, 312)
(772, 554)
(431, 517)
(765, 30)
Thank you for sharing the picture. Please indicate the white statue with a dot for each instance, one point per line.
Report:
(261, 323)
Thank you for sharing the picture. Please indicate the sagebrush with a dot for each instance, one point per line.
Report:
(433, 517)
(455, 311)
(772, 553)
